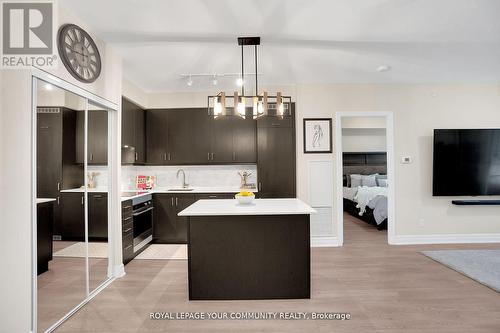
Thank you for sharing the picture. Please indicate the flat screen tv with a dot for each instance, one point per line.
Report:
(466, 162)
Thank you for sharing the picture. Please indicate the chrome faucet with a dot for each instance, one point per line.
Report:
(184, 185)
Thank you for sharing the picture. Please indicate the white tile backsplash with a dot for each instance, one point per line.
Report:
(196, 175)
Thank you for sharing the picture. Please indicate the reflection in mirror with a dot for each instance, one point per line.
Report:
(97, 194)
(61, 250)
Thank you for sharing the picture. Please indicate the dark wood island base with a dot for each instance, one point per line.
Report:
(242, 257)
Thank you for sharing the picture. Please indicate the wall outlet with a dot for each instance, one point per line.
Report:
(406, 159)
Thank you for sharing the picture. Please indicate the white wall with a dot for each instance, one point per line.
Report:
(418, 109)
(363, 139)
(15, 177)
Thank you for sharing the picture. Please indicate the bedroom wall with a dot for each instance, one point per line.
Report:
(15, 204)
(363, 139)
(418, 109)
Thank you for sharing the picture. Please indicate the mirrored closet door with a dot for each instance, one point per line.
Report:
(72, 253)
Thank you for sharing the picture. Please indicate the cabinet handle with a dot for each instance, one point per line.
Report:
(125, 231)
(91, 156)
(168, 156)
(58, 186)
(208, 156)
(82, 199)
(234, 156)
(212, 196)
(164, 156)
(172, 201)
(128, 247)
(127, 207)
(176, 201)
(136, 158)
(128, 218)
(212, 156)
(58, 201)
(260, 186)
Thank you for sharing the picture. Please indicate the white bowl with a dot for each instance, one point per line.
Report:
(245, 200)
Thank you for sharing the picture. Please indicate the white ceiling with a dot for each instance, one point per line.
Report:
(314, 41)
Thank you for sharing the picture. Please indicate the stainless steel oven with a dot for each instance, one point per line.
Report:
(143, 221)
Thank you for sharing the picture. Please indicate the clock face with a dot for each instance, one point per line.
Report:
(79, 53)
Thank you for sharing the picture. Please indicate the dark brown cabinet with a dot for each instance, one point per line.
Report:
(56, 155)
(191, 136)
(276, 157)
(97, 144)
(188, 136)
(127, 232)
(133, 133)
(156, 137)
(168, 227)
(72, 226)
(98, 216)
(44, 225)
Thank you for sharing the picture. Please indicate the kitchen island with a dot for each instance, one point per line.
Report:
(257, 251)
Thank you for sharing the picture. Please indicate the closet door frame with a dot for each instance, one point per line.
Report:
(115, 265)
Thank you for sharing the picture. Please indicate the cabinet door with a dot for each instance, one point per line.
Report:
(188, 136)
(140, 136)
(164, 224)
(72, 217)
(156, 136)
(276, 162)
(98, 137)
(49, 154)
(182, 202)
(128, 132)
(98, 216)
(244, 140)
(222, 140)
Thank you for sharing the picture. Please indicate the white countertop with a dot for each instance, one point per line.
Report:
(44, 200)
(218, 207)
(161, 190)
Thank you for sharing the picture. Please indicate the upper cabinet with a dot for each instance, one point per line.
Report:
(97, 144)
(191, 136)
(133, 133)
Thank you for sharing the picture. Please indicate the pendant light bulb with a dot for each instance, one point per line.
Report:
(280, 107)
(239, 82)
(217, 107)
(189, 81)
(214, 80)
(241, 106)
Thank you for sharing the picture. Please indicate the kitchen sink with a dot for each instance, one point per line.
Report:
(180, 189)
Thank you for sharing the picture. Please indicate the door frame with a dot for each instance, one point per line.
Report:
(339, 202)
(115, 265)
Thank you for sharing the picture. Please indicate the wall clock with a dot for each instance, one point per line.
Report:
(79, 53)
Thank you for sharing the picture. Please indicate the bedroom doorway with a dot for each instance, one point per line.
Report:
(364, 176)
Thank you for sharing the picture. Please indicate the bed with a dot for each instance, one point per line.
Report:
(366, 200)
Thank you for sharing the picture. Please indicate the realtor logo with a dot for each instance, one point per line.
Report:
(27, 34)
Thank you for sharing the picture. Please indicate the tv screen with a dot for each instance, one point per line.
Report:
(466, 162)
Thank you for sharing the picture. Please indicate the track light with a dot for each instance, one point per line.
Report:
(239, 82)
(189, 81)
(214, 80)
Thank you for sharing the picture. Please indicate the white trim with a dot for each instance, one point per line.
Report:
(114, 211)
(119, 271)
(390, 170)
(445, 239)
(325, 242)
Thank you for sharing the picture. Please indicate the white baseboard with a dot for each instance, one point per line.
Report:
(445, 239)
(119, 271)
(324, 241)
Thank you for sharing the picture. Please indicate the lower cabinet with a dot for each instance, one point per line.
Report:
(45, 219)
(168, 227)
(71, 224)
(127, 232)
(215, 196)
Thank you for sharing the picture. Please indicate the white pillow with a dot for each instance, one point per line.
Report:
(382, 182)
(369, 180)
(355, 180)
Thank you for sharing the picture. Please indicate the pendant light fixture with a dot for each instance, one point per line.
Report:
(261, 104)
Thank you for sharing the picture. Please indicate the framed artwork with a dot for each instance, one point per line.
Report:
(317, 135)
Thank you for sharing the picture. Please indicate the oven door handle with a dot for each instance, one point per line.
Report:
(143, 211)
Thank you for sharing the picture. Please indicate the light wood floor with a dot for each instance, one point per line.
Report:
(384, 288)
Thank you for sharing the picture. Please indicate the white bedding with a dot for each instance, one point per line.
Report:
(365, 194)
(350, 192)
